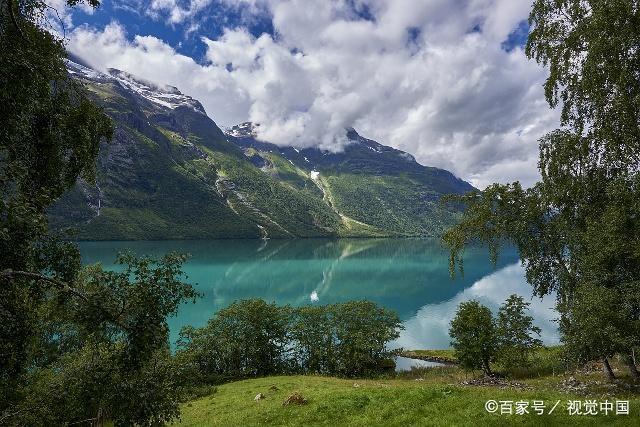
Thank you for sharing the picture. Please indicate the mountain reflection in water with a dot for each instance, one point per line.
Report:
(409, 276)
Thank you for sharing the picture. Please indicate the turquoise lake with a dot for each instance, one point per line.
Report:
(405, 275)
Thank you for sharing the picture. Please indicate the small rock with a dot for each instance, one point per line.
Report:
(294, 399)
(494, 381)
(572, 385)
(259, 396)
(573, 382)
(356, 385)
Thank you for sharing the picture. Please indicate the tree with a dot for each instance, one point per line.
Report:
(103, 353)
(249, 338)
(591, 49)
(596, 325)
(76, 345)
(579, 226)
(362, 330)
(252, 338)
(314, 338)
(49, 136)
(515, 332)
(474, 338)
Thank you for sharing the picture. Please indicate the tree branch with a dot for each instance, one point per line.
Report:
(6, 415)
(64, 29)
(65, 287)
(36, 276)
(14, 20)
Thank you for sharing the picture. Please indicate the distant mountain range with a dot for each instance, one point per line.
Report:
(171, 173)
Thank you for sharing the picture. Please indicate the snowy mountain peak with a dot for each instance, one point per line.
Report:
(163, 95)
(81, 71)
(243, 130)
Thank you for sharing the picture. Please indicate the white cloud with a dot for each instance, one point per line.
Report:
(416, 77)
(58, 16)
(175, 12)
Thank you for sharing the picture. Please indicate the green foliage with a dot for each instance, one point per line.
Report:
(578, 228)
(284, 210)
(312, 331)
(399, 205)
(78, 345)
(137, 299)
(48, 139)
(252, 338)
(248, 338)
(591, 49)
(138, 193)
(284, 171)
(515, 331)
(104, 349)
(479, 339)
(474, 336)
(601, 322)
(361, 331)
(92, 385)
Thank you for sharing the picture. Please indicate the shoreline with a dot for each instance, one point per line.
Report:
(413, 354)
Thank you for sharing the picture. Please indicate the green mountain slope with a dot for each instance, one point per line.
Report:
(171, 173)
(368, 184)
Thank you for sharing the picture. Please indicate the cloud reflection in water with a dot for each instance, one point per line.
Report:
(428, 329)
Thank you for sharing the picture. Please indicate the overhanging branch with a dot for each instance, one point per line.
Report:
(36, 276)
(65, 287)
(14, 20)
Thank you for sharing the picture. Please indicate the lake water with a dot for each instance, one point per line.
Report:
(405, 275)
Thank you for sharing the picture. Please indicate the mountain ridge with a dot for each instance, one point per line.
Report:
(315, 157)
(172, 173)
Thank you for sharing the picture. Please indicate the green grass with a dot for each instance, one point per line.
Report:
(289, 173)
(421, 396)
(173, 137)
(436, 398)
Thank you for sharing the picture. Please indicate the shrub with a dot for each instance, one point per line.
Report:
(252, 338)
(362, 330)
(249, 338)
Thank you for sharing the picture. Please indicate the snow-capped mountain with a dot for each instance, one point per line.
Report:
(165, 96)
(171, 173)
(247, 134)
(243, 130)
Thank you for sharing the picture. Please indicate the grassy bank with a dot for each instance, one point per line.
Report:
(437, 396)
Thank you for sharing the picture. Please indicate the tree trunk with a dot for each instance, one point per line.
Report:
(632, 366)
(487, 368)
(607, 369)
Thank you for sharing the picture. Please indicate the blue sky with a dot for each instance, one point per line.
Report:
(446, 80)
(220, 15)
(212, 21)
(517, 38)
